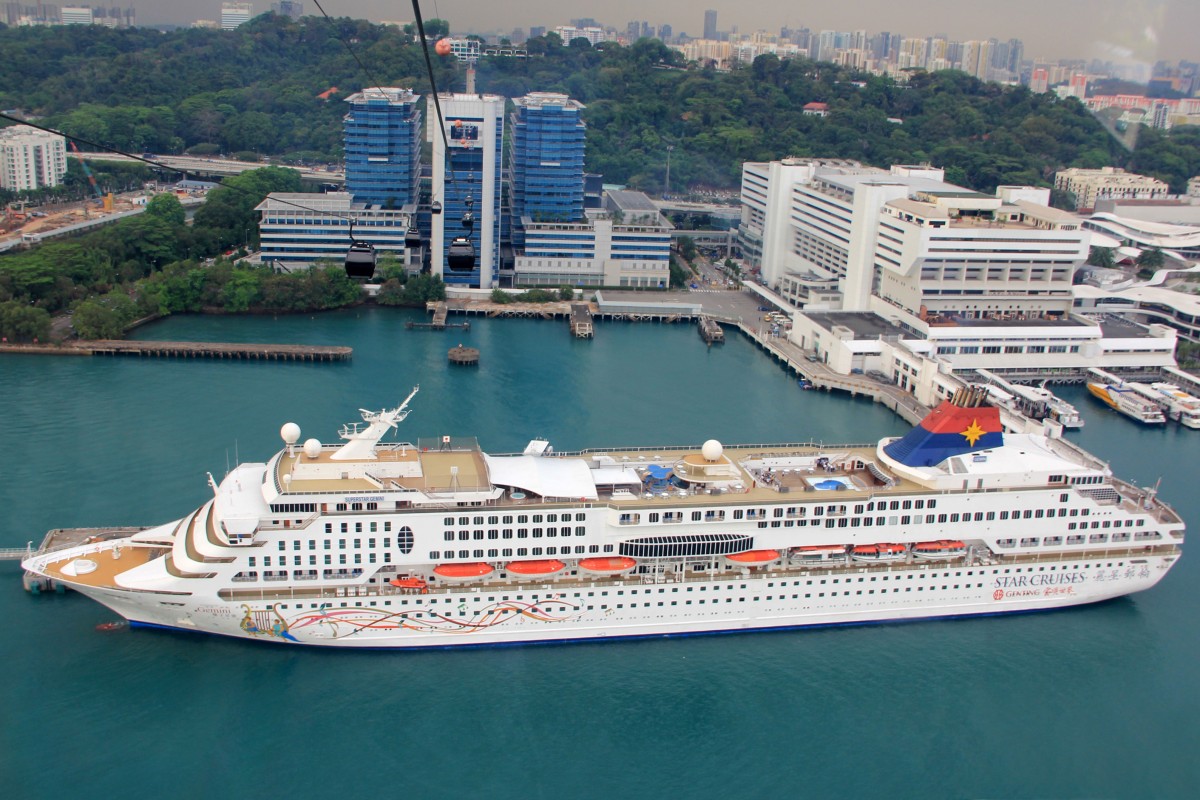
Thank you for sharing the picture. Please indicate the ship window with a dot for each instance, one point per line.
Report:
(341, 544)
(537, 518)
(506, 552)
(329, 527)
(448, 536)
(580, 530)
(464, 553)
(404, 539)
(357, 544)
(522, 551)
(477, 554)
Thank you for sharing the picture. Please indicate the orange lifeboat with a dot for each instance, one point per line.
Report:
(410, 584)
(754, 558)
(611, 565)
(941, 549)
(878, 552)
(547, 566)
(461, 573)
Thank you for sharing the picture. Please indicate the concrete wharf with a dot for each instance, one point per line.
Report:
(247, 352)
(196, 350)
(439, 322)
(711, 331)
(581, 321)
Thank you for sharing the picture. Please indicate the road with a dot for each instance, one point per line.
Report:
(193, 165)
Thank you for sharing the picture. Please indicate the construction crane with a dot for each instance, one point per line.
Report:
(105, 202)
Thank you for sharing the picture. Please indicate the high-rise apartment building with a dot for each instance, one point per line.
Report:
(30, 158)
(474, 128)
(710, 25)
(234, 15)
(545, 161)
(383, 146)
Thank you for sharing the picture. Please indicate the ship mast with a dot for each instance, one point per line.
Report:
(360, 443)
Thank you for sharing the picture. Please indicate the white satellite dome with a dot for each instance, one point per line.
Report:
(711, 450)
(290, 433)
(312, 448)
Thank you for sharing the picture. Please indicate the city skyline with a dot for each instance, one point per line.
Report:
(1117, 30)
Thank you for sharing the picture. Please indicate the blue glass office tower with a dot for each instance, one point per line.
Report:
(383, 147)
(471, 167)
(546, 161)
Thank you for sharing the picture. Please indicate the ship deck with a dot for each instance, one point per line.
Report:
(757, 473)
(109, 560)
(685, 576)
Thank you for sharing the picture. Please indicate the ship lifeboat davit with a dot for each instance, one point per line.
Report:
(753, 558)
(611, 565)
(547, 566)
(878, 552)
(941, 549)
(410, 584)
(462, 573)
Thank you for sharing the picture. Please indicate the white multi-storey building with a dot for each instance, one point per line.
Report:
(76, 15)
(31, 158)
(1108, 183)
(234, 15)
(297, 229)
(857, 238)
(475, 132)
(627, 245)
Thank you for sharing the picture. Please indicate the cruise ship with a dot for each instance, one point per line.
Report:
(367, 543)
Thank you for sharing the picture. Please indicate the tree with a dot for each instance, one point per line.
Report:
(1101, 257)
(20, 322)
(166, 207)
(566, 293)
(1150, 260)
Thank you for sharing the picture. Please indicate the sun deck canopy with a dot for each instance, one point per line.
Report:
(566, 478)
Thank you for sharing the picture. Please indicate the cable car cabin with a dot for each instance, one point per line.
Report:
(461, 255)
(412, 238)
(360, 261)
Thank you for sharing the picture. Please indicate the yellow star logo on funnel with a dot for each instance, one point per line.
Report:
(973, 432)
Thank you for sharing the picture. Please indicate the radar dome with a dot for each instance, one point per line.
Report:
(711, 450)
(312, 448)
(290, 433)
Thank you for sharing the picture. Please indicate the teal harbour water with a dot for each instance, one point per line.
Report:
(1097, 701)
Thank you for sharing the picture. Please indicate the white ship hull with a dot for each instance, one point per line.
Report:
(533, 613)
(437, 544)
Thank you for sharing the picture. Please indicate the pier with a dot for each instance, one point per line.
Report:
(711, 331)
(188, 350)
(794, 359)
(581, 321)
(439, 323)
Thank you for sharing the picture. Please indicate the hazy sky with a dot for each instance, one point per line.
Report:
(1142, 30)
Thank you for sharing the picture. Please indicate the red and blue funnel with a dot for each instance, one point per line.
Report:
(963, 424)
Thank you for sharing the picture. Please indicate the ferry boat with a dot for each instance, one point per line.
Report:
(437, 544)
(1127, 400)
(1179, 405)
